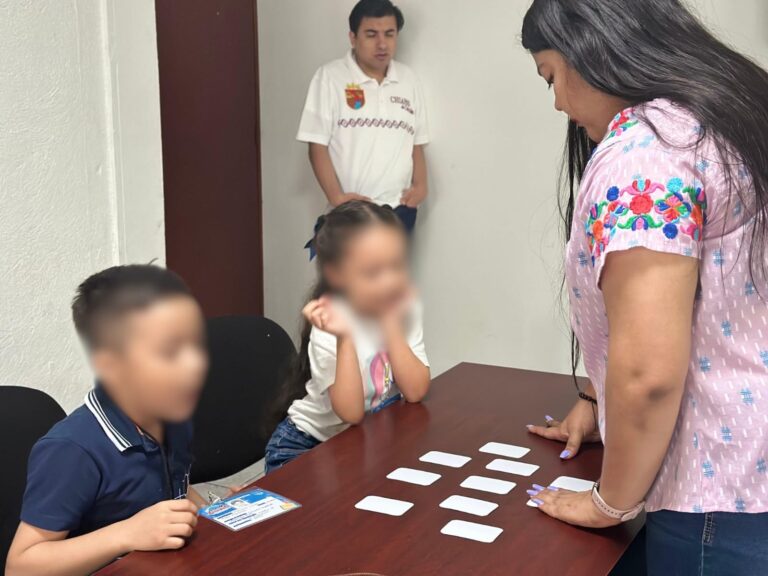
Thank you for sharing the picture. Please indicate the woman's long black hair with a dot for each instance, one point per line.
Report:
(641, 50)
(332, 235)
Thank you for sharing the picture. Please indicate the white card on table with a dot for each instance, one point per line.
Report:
(469, 505)
(491, 485)
(568, 483)
(472, 531)
(414, 476)
(511, 467)
(506, 450)
(445, 459)
(384, 505)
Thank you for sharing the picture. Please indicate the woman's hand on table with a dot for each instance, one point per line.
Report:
(575, 508)
(578, 427)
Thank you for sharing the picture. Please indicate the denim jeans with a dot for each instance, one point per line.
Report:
(287, 442)
(710, 544)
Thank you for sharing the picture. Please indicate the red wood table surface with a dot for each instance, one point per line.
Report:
(467, 407)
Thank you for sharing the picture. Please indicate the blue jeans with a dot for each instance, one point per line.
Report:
(711, 544)
(287, 442)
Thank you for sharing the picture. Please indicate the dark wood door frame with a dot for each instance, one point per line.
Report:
(209, 98)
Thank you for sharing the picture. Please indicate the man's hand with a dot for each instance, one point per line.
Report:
(324, 315)
(414, 196)
(348, 197)
(160, 527)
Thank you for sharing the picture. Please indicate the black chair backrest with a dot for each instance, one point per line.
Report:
(249, 358)
(25, 416)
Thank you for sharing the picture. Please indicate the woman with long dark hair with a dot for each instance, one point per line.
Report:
(666, 219)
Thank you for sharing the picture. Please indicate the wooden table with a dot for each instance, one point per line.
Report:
(467, 407)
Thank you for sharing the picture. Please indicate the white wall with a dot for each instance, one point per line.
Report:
(80, 172)
(488, 246)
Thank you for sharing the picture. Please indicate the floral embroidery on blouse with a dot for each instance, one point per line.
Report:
(621, 123)
(647, 205)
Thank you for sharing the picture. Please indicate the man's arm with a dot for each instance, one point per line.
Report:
(159, 527)
(417, 193)
(325, 173)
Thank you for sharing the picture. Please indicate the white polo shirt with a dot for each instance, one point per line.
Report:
(370, 128)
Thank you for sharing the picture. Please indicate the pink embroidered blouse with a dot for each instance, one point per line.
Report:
(643, 191)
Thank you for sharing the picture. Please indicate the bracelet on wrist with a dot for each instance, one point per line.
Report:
(611, 512)
(587, 397)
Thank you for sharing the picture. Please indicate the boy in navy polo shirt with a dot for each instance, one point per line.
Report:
(113, 476)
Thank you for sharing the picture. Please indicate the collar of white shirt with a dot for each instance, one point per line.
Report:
(361, 77)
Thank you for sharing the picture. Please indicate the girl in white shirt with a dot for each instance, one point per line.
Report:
(362, 344)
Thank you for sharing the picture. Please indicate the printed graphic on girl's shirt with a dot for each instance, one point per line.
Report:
(380, 379)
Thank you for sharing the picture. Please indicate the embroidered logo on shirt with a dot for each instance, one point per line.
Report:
(405, 104)
(355, 96)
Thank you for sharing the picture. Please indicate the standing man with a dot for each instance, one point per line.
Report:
(365, 120)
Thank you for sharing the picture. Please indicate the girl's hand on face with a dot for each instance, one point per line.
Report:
(324, 315)
(578, 427)
(575, 508)
(394, 317)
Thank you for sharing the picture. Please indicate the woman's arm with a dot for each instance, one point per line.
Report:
(411, 375)
(649, 299)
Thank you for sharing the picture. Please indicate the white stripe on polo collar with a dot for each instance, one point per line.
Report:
(93, 404)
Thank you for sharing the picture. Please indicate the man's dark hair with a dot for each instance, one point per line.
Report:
(105, 298)
(374, 9)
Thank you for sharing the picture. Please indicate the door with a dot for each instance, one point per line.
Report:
(208, 64)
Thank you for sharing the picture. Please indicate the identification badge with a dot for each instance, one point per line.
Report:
(248, 508)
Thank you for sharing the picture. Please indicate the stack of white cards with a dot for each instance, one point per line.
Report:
(458, 503)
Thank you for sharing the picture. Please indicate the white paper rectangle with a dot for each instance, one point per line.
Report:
(491, 485)
(511, 467)
(414, 476)
(469, 505)
(472, 531)
(506, 450)
(573, 484)
(384, 505)
(445, 459)
(568, 483)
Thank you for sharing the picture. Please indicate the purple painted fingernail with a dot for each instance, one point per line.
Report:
(553, 488)
(533, 492)
(538, 502)
(539, 488)
(565, 454)
(548, 418)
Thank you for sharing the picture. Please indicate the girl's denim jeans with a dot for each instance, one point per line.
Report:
(288, 442)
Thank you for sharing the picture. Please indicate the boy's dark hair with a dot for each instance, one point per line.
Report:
(374, 9)
(106, 297)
